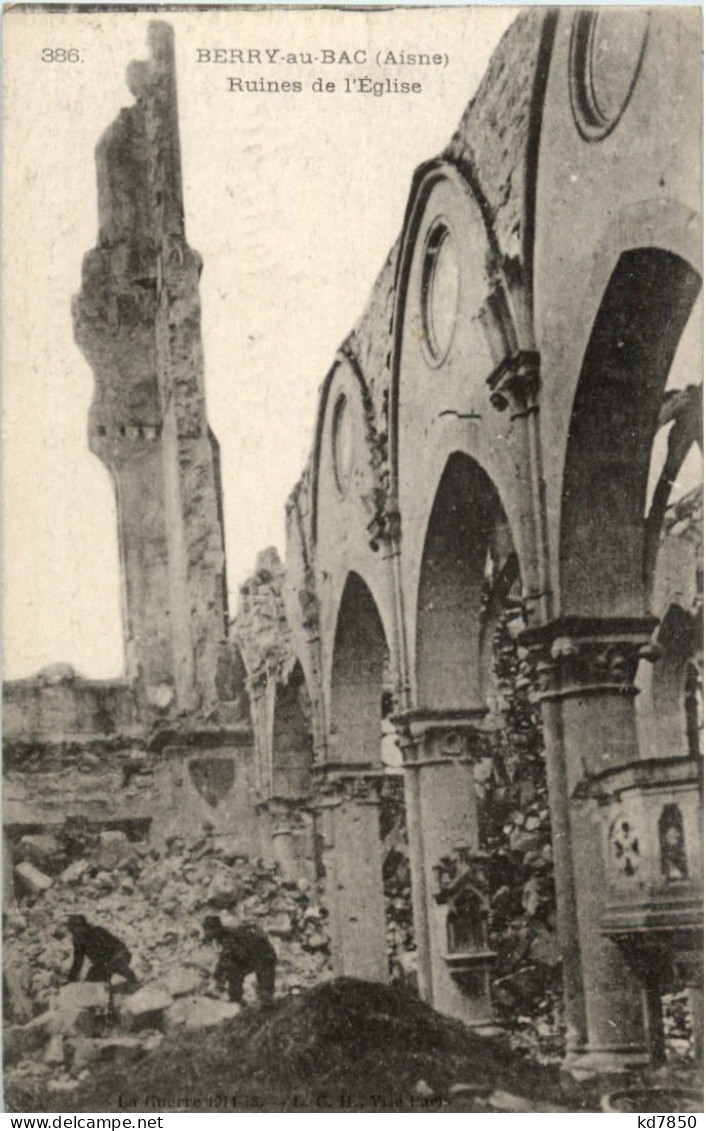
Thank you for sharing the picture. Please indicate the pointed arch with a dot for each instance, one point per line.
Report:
(292, 747)
(360, 658)
(468, 566)
(602, 550)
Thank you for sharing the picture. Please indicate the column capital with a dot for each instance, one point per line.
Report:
(578, 656)
(430, 736)
(334, 783)
(287, 814)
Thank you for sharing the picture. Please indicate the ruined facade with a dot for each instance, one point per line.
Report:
(483, 460)
(170, 745)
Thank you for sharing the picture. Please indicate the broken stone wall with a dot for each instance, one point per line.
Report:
(495, 147)
(137, 320)
(59, 705)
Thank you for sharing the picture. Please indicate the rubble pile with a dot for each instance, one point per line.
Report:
(397, 884)
(154, 901)
(678, 1026)
(344, 1045)
(401, 946)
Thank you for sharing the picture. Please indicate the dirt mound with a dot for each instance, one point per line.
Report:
(344, 1044)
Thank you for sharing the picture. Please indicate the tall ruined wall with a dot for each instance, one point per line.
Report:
(169, 746)
(495, 146)
(137, 319)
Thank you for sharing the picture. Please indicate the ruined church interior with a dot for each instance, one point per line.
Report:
(448, 745)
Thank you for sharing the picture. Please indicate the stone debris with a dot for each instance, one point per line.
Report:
(79, 1007)
(40, 850)
(33, 880)
(506, 1102)
(82, 1052)
(55, 1050)
(74, 872)
(154, 900)
(145, 1009)
(181, 982)
(200, 1012)
(113, 847)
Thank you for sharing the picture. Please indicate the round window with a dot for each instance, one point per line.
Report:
(342, 442)
(605, 58)
(440, 290)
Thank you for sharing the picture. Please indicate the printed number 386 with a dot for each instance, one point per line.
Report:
(61, 55)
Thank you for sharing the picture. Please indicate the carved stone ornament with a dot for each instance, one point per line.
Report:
(672, 844)
(459, 871)
(334, 787)
(213, 778)
(585, 658)
(515, 384)
(624, 847)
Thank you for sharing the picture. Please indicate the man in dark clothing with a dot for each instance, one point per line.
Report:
(106, 954)
(244, 950)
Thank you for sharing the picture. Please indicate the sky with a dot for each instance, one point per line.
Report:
(293, 201)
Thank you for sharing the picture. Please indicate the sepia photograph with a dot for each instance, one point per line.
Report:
(352, 717)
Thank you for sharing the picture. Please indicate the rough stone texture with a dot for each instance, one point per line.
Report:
(154, 901)
(261, 628)
(492, 145)
(63, 706)
(491, 142)
(94, 751)
(199, 1013)
(370, 344)
(138, 321)
(32, 878)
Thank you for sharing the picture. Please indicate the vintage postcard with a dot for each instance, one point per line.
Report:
(353, 672)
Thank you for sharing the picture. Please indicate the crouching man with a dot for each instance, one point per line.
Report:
(244, 950)
(106, 954)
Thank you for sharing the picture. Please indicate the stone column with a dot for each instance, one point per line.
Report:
(347, 804)
(440, 749)
(584, 671)
(292, 838)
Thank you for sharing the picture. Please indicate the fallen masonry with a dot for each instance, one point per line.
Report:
(346, 1042)
(155, 901)
(477, 648)
(344, 1045)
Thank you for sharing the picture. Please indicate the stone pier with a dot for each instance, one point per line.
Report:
(346, 804)
(440, 750)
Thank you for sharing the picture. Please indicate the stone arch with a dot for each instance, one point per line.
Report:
(426, 178)
(602, 544)
(292, 750)
(670, 684)
(468, 567)
(347, 361)
(681, 418)
(676, 639)
(360, 657)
